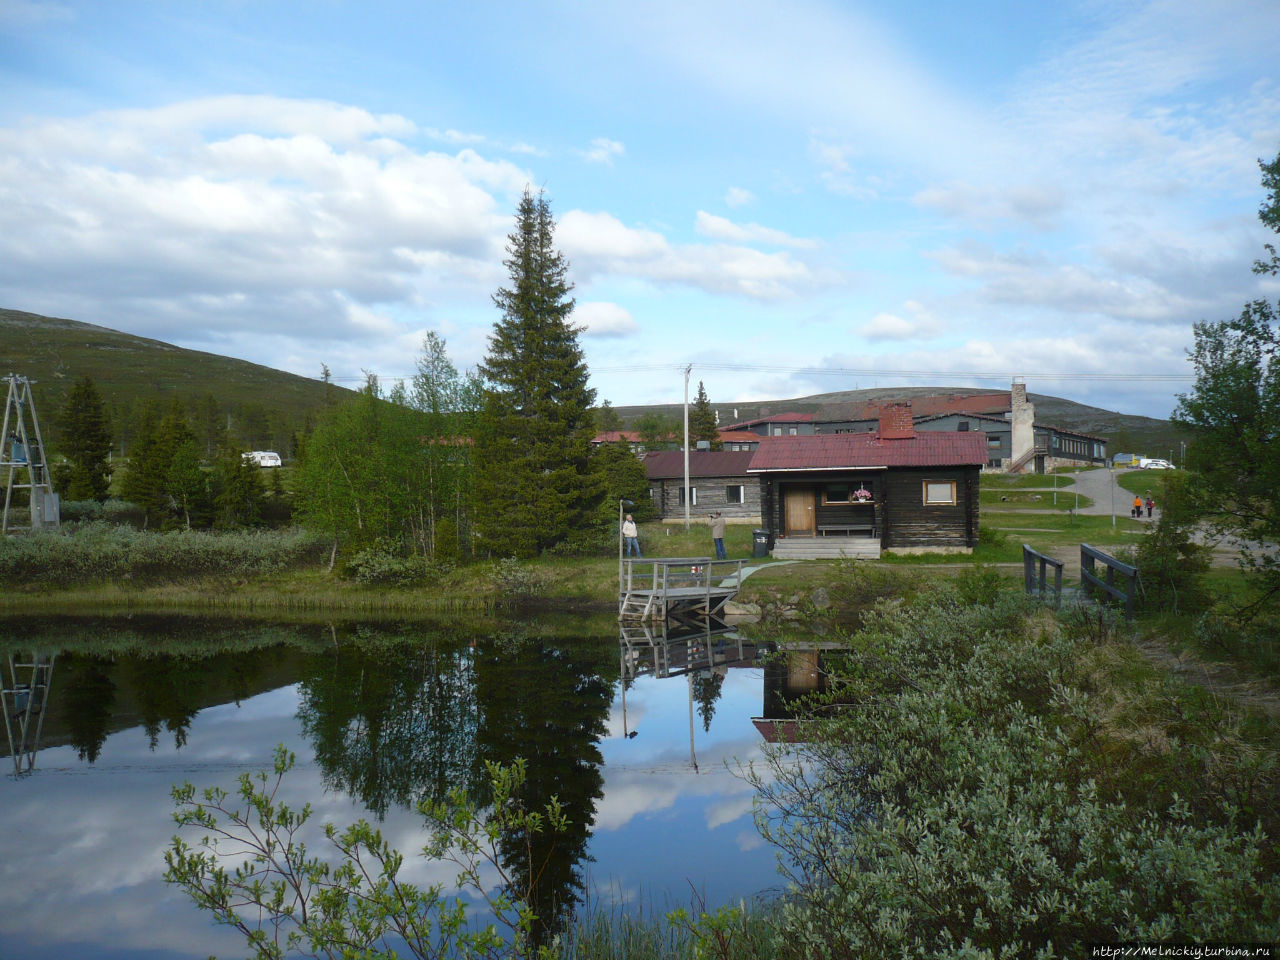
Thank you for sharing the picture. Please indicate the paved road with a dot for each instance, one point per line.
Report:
(1100, 486)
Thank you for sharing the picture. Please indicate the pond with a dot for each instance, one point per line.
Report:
(380, 715)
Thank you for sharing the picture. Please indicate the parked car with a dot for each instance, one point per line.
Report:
(1155, 465)
(263, 458)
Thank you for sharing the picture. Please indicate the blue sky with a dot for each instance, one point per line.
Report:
(795, 198)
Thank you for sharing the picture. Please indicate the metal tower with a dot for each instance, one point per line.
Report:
(22, 453)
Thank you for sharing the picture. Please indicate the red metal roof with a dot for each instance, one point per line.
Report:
(663, 464)
(613, 436)
(844, 450)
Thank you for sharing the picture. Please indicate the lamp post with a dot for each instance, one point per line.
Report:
(621, 504)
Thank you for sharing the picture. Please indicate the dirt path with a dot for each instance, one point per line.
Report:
(1221, 679)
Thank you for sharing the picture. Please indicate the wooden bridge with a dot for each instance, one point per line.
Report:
(676, 586)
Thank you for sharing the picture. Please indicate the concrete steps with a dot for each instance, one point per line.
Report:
(821, 548)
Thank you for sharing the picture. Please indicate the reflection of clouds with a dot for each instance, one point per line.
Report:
(729, 809)
(748, 840)
(635, 715)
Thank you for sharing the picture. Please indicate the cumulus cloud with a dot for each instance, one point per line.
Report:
(919, 324)
(603, 150)
(599, 243)
(601, 319)
(259, 213)
(1032, 205)
(738, 197)
(837, 173)
(720, 228)
(1031, 279)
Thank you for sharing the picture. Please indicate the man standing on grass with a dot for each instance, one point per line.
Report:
(717, 535)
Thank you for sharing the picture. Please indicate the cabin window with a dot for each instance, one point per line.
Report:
(735, 493)
(693, 496)
(838, 493)
(962, 426)
(777, 431)
(939, 493)
(791, 431)
(993, 442)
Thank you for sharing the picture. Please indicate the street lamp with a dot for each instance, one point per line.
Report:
(621, 505)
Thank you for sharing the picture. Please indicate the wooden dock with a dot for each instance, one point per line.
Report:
(676, 586)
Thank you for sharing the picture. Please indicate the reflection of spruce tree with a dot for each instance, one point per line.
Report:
(172, 690)
(706, 691)
(86, 693)
(392, 721)
(547, 702)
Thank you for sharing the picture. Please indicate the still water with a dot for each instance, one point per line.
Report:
(637, 734)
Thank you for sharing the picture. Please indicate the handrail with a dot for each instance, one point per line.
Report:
(1089, 557)
(1037, 585)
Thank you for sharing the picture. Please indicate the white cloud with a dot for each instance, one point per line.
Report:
(919, 325)
(603, 150)
(599, 243)
(738, 197)
(242, 213)
(601, 319)
(720, 228)
(18, 13)
(1032, 205)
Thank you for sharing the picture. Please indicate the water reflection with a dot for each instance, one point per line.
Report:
(382, 716)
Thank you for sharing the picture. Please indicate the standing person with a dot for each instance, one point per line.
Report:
(717, 535)
(1151, 504)
(631, 536)
(1137, 507)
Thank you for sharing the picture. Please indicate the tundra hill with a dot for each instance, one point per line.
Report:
(263, 407)
(1123, 432)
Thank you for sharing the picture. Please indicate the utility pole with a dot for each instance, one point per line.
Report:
(687, 494)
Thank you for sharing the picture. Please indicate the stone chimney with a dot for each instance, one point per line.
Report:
(896, 422)
(1023, 417)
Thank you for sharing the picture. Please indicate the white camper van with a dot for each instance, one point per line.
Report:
(263, 458)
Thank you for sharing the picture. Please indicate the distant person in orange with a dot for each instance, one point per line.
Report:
(1136, 513)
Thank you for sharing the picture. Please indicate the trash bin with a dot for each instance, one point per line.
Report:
(760, 542)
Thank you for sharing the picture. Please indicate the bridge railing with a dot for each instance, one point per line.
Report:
(1037, 584)
(1090, 557)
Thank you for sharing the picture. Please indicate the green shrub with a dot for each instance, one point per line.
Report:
(518, 580)
(385, 564)
(952, 800)
(99, 552)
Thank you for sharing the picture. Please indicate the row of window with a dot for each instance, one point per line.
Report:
(935, 493)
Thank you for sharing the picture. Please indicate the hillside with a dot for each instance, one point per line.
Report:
(263, 407)
(1123, 432)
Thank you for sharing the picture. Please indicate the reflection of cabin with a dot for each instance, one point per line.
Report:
(791, 674)
(718, 480)
(857, 493)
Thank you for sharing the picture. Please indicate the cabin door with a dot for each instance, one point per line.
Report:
(800, 512)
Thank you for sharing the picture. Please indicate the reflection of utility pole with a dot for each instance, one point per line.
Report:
(687, 370)
(693, 759)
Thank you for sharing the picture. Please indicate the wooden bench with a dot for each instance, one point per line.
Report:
(847, 528)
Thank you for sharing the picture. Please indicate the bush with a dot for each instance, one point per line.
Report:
(384, 564)
(953, 800)
(518, 580)
(99, 552)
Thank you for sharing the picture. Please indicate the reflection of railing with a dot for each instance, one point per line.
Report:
(653, 589)
(673, 648)
(23, 702)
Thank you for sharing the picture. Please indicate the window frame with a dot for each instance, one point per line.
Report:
(926, 499)
(740, 488)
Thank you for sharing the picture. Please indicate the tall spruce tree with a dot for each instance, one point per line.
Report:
(702, 421)
(533, 485)
(87, 439)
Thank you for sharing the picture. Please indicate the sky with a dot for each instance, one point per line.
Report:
(793, 198)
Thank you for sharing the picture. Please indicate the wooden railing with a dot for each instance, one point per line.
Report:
(1038, 584)
(1090, 581)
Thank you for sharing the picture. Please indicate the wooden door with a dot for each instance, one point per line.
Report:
(800, 512)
